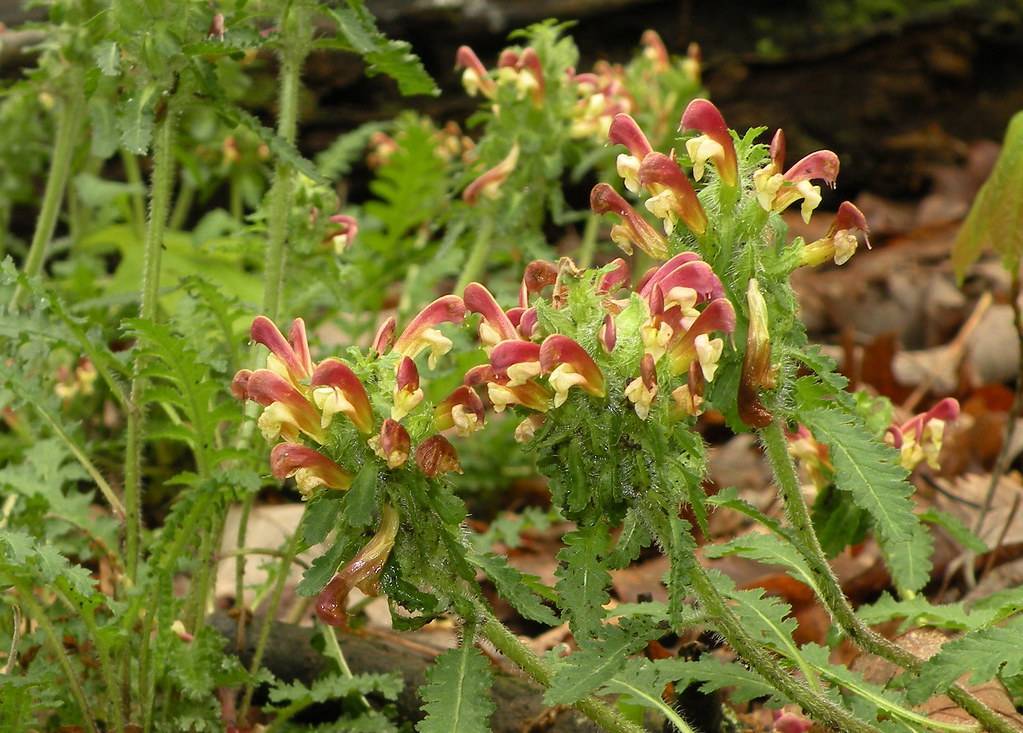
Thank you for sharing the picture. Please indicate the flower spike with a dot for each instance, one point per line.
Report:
(715, 144)
(421, 333)
(436, 456)
(336, 388)
(362, 572)
(488, 184)
(461, 410)
(290, 360)
(674, 197)
(568, 365)
(310, 468)
(495, 325)
(634, 229)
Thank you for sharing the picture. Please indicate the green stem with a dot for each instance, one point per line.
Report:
(522, 656)
(68, 121)
(588, 245)
(271, 613)
(333, 650)
(776, 448)
(88, 616)
(160, 185)
(239, 569)
(475, 264)
(282, 192)
(57, 647)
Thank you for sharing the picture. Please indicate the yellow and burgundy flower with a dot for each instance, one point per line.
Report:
(673, 196)
(531, 395)
(919, 438)
(343, 232)
(687, 402)
(633, 229)
(421, 333)
(656, 274)
(757, 373)
(655, 51)
(288, 358)
(625, 131)
(475, 77)
(776, 191)
(287, 412)
(642, 390)
(336, 388)
(618, 277)
(839, 243)
(567, 365)
(436, 456)
(526, 429)
(694, 343)
(383, 340)
(461, 410)
(714, 144)
(407, 392)
(392, 444)
(362, 572)
(688, 285)
(495, 326)
(537, 276)
(517, 361)
(310, 468)
(488, 184)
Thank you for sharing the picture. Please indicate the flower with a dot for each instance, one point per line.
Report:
(336, 389)
(776, 191)
(421, 332)
(475, 77)
(693, 344)
(461, 410)
(393, 444)
(655, 51)
(436, 456)
(518, 361)
(625, 131)
(756, 363)
(495, 326)
(287, 412)
(407, 394)
(840, 241)
(642, 390)
(526, 429)
(919, 438)
(618, 276)
(310, 468)
(634, 229)
(345, 232)
(673, 196)
(488, 184)
(567, 365)
(362, 571)
(715, 144)
(384, 337)
(290, 358)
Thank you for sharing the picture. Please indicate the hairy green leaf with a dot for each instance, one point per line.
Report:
(583, 579)
(457, 692)
(519, 589)
(595, 663)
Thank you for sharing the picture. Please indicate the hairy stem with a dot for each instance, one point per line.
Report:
(138, 204)
(160, 185)
(776, 448)
(588, 245)
(69, 118)
(476, 263)
(522, 656)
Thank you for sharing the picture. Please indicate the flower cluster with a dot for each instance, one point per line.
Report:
(311, 411)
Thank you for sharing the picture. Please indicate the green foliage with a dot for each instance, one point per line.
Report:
(457, 692)
(870, 472)
(522, 590)
(995, 221)
(982, 654)
(583, 580)
(596, 662)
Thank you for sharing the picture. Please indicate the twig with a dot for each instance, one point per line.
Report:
(1001, 537)
(12, 655)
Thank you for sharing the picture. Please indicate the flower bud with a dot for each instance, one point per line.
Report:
(393, 444)
(384, 338)
(608, 336)
(407, 393)
(436, 456)
(642, 390)
(757, 373)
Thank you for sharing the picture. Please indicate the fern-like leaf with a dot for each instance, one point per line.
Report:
(768, 549)
(457, 692)
(521, 590)
(871, 473)
(583, 580)
(594, 664)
